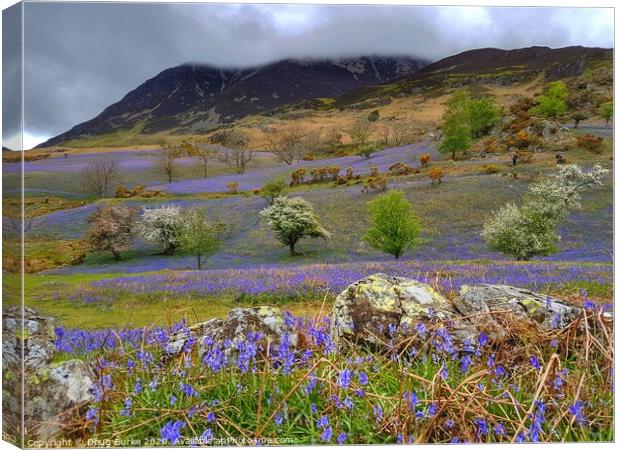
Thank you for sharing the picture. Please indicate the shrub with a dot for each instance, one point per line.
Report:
(308, 157)
(525, 157)
(400, 169)
(298, 176)
(110, 229)
(436, 175)
(425, 159)
(232, 187)
(378, 183)
(552, 102)
(591, 143)
(394, 227)
(161, 225)
(273, 189)
(292, 219)
(373, 116)
(121, 192)
(490, 169)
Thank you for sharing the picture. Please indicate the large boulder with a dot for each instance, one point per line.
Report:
(55, 396)
(379, 307)
(263, 322)
(53, 393)
(491, 305)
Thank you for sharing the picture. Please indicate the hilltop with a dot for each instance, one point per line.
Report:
(195, 98)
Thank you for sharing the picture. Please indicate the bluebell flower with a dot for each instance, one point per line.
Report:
(342, 437)
(535, 363)
(171, 432)
(327, 434)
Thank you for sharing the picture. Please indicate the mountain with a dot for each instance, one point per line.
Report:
(492, 66)
(194, 97)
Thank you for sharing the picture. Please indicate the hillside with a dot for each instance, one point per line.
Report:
(193, 98)
(492, 67)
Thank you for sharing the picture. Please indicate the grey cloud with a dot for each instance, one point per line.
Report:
(82, 57)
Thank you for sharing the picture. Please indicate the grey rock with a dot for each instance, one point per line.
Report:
(54, 395)
(489, 304)
(268, 321)
(375, 308)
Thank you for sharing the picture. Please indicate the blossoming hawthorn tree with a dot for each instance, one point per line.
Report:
(162, 225)
(199, 236)
(110, 229)
(530, 230)
(292, 219)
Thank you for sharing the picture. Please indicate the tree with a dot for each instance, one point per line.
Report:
(332, 139)
(99, 175)
(606, 111)
(110, 229)
(162, 225)
(292, 219)
(200, 237)
(235, 144)
(552, 102)
(578, 117)
(204, 153)
(373, 116)
(456, 124)
(394, 227)
(484, 115)
(360, 133)
(531, 230)
(272, 190)
(167, 160)
(286, 143)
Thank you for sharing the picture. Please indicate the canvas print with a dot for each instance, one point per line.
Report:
(293, 224)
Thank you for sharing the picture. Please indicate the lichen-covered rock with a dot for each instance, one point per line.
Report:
(489, 304)
(38, 338)
(377, 307)
(269, 322)
(54, 395)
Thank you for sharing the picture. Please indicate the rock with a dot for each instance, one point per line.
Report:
(268, 321)
(53, 393)
(375, 308)
(542, 311)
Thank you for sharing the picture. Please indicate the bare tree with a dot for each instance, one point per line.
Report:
(235, 150)
(99, 175)
(286, 143)
(204, 152)
(386, 133)
(360, 132)
(167, 160)
(333, 139)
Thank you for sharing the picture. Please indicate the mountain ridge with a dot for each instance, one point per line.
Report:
(197, 97)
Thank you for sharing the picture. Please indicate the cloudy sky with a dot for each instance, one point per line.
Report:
(80, 58)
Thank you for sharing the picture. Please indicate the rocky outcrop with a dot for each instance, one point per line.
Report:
(379, 307)
(490, 304)
(53, 392)
(268, 322)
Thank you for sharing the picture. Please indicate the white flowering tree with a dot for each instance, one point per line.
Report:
(532, 229)
(161, 225)
(292, 219)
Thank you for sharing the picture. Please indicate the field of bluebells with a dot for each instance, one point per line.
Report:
(531, 387)
(551, 387)
(318, 280)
